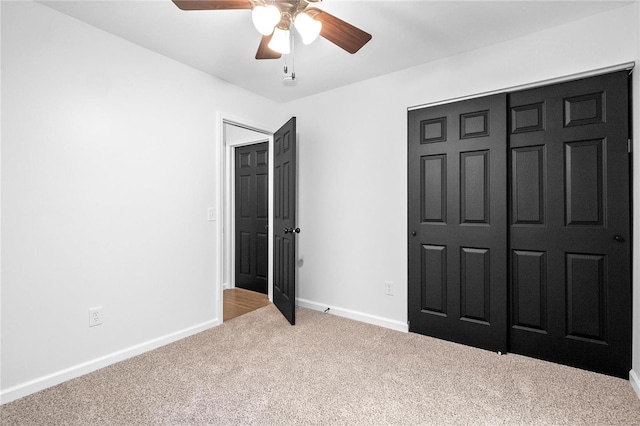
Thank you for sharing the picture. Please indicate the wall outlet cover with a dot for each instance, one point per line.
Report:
(95, 316)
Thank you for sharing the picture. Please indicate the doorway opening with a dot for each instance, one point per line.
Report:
(236, 139)
(251, 216)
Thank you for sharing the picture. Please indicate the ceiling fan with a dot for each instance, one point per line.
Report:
(273, 19)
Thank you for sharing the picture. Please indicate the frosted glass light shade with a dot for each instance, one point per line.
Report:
(265, 18)
(308, 27)
(280, 41)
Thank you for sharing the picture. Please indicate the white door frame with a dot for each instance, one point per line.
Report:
(225, 202)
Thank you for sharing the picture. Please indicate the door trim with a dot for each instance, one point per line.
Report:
(224, 201)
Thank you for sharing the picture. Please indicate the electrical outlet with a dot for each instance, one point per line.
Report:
(95, 316)
(388, 288)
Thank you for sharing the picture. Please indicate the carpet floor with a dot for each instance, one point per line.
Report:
(258, 370)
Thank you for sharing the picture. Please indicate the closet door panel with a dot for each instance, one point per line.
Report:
(458, 222)
(572, 203)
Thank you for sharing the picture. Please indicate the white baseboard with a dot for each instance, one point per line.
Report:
(355, 315)
(41, 383)
(635, 382)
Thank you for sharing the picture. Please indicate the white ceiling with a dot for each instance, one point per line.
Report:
(405, 34)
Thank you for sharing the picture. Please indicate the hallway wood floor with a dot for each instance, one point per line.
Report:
(238, 301)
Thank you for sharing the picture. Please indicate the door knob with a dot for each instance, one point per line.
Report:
(288, 230)
(619, 239)
(296, 231)
(413, 233)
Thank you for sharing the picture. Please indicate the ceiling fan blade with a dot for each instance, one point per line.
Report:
(212, 4)
(264, 52)
(341, 33)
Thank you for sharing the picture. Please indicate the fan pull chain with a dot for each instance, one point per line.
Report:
(290, 78)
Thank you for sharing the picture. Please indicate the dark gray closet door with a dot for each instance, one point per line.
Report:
(252, 216)
(457, 222)
(570, 232)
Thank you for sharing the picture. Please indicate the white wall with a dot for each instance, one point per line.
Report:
(108, 167)
(353, 164)
(235, 135)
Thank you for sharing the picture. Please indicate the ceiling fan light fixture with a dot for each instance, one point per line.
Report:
(308, 28)
(265, 18)
(280, 41)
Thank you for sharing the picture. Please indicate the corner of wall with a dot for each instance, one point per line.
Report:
(0, 206)
(635, 361)
(635, 382)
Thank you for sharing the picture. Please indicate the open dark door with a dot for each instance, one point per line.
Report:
(284, 220)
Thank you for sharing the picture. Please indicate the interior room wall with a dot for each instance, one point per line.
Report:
(108, 167)
(235, 135)
(353, 158)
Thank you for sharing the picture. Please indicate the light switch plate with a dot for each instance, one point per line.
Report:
(211, 214)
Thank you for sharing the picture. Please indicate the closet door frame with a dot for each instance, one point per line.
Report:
(509, 264)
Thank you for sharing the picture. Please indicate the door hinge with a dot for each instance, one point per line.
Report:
(629, 145)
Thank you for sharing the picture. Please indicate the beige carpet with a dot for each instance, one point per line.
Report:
(257, 369)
